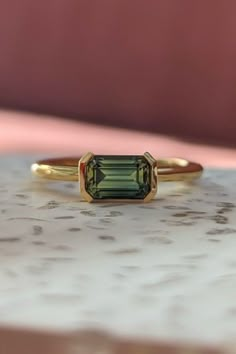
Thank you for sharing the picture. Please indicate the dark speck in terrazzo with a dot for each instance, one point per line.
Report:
(226, 205)
(223, 210)
(21, 196)
(178, 207)
(62, 248)
(119, 276)
(88, 213)
(96, 227)
(105, 221)
(52, 204)
(74, 229)
(180, 215)
(170, 279)
(106, 238)
(70, 185)
(220, 219)
(146, 207)
(10, 239)
(25, 218)
(125, 251)
(225, 231)
(37, 230)
(158, 239)
(214, 240)
(196, 256)
(58, 259)
(38, 243)
(109, 205)
(114, 214)
(191, 213)
(179, 222)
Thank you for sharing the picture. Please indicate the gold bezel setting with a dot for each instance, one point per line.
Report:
(82, 180)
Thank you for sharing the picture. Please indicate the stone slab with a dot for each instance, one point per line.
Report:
(164, 271)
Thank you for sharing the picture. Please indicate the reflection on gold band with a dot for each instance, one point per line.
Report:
(66, 169)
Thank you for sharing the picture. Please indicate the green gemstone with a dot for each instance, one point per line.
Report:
(118, 177)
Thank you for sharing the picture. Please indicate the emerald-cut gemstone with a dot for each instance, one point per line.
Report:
(118, 177)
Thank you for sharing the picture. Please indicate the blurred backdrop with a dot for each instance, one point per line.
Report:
(164, 66)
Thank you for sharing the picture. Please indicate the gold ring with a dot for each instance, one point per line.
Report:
(117, 177)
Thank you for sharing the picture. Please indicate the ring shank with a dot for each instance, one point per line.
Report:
(66, 169)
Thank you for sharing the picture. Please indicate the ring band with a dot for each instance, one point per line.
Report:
(113, 177)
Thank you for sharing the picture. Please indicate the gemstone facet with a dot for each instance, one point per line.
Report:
(118, 177)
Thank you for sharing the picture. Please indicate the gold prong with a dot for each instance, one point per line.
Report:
(154, 177)
(82, 176)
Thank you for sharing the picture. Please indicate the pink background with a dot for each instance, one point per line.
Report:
(154, 66)
(157, 65)
(28, 133)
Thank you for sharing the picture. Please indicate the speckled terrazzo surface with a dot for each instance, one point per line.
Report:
(164, 270)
